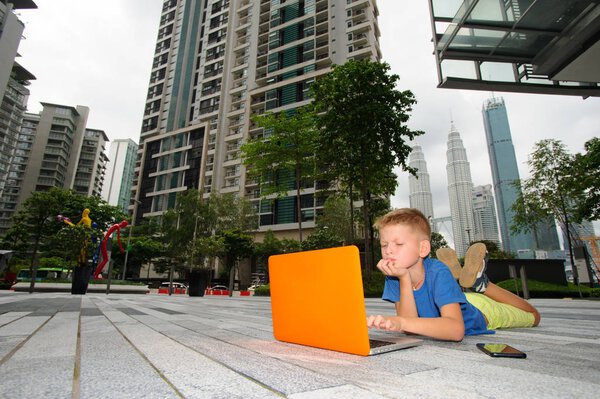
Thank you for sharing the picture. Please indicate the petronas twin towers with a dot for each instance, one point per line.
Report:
(473, 209)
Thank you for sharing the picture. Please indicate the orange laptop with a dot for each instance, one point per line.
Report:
(317, 300)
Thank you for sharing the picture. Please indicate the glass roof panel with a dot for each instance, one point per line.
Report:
(523, 45)
(553, 15)
(445, 8)
(478, 40)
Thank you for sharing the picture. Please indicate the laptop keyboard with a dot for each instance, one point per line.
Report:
(375, 343)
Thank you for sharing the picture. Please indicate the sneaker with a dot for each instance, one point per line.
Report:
(481, 283)
(449, 258)
(474, 270)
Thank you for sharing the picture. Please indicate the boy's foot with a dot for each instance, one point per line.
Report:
(473, 273)
(449, 258)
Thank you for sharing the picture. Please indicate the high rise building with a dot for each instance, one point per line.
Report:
(89, 177)
(419, 187)
(12, 109)
(460, 191)
(484, 215)
(120, 172)
(11, 31)
(47, 155)
(505, 172)
(217, 63)
(14, 80)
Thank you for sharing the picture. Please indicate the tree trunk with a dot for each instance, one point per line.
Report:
(298, 203)
(350, 191)
(34, 264)
(367, 230)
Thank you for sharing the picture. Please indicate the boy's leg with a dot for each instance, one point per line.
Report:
(474, 268)
(449, 258)
(501, 295)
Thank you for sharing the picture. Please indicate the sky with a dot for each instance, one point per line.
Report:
(99, 54)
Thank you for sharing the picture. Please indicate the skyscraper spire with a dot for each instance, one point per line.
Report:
(419, 187)
(460, 188)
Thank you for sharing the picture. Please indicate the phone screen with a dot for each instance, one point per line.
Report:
(501, 350)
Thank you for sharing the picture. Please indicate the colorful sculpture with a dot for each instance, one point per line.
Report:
(110, 231)
(86, 222)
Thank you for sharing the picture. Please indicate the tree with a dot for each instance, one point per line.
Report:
(38, 213)
(549, 192)
(236, 246)
(437, 241)
(362, 124)
(321, 238)
(282, 159)
(588, 181)
(494, 251)
(336, 218)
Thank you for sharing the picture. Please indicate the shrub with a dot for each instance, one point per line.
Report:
(373, 287)
(539, 289)
(263, 290)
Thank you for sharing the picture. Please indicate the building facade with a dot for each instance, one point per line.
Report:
(460, 191)
(47, 155)
(217, 64)
(91, 168)
(484, 215)
(14, 80)
(119, 173)
(505, 173)
(419, 186)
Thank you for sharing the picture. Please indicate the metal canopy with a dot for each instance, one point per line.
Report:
(531, 46)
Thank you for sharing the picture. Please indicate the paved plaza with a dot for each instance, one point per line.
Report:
(56, 345)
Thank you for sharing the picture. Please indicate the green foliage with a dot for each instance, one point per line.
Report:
(35, 226)
(321, 238)
(263, 290)
(494, 252)
(283, 157)
(587, 166)
(373, 284)
(437, 241)
(337, 218)
(550, 191)
(195, 229)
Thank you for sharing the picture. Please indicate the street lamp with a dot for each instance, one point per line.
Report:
(135, 204)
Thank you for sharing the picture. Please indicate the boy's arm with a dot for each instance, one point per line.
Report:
(406, 306)
(449, 326)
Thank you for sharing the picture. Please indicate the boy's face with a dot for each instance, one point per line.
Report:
(403, 245)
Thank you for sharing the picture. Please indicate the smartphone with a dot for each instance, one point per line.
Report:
(501, 350)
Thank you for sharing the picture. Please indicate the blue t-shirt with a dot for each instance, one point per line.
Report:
(439, 288)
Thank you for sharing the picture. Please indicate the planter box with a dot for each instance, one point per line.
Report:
(92, 288)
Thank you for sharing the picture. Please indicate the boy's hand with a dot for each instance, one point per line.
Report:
(390, 323)
(389, 268)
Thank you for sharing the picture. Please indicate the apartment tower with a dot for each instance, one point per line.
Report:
(47, 155)
(119, 173)
(460, 191)
(91, 167)
(484, 215)
(217, 63)
(419, 187)
(14, 80)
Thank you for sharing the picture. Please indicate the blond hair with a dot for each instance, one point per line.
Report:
(406, 216)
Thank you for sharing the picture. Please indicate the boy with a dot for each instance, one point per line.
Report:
(428, 300)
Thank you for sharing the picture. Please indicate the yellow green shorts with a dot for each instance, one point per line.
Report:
(500, 315)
